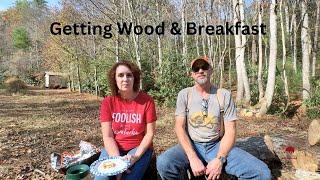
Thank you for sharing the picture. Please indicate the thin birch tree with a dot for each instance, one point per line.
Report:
(315, 42)
(306, 48)
(265, 104)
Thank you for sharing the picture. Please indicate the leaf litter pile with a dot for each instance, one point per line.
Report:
(34, 125)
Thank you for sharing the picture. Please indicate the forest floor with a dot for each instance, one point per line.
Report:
(40, 122)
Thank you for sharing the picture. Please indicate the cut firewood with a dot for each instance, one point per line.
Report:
(293, 151)
(302, 175)
(314, 132)
(305, 160)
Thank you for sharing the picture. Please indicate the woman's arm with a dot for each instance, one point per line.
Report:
(146, 141)
(108, 139)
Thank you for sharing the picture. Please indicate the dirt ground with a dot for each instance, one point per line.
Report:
(34, 125)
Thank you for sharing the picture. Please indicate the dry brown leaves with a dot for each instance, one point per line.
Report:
(34, 125)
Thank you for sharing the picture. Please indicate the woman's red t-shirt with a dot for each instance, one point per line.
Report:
(129, 118)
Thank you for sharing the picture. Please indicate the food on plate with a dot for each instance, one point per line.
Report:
(108, 165)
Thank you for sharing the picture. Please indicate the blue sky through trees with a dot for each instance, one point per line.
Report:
(5, 4)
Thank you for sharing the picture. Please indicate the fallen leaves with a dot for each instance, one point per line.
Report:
(45, 121)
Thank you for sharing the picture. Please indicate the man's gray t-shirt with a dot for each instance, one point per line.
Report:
(204, 128)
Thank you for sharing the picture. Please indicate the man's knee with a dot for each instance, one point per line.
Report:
(162, 162)
(265, 174)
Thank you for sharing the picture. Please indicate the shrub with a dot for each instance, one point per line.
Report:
(15, 85)
(313, 103)
(167, 85)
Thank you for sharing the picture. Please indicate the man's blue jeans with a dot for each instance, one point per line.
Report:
(137, 170)
(173, 162)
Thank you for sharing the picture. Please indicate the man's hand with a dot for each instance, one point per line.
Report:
(197, 167)
(214, 169)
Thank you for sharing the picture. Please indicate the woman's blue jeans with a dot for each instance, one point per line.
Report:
(136, 171)
(173, 162)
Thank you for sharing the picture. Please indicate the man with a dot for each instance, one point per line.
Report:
(202, 145)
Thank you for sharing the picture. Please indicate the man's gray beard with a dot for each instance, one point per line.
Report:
(202, 81)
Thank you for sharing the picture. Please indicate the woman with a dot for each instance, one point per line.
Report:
(127, 120)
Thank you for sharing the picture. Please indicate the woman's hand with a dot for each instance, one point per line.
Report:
(131, 158)
(118, 177)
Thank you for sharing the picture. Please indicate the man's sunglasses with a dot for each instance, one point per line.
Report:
(204, 66)
(204, 107)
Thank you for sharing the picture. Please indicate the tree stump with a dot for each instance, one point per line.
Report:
(314, 132)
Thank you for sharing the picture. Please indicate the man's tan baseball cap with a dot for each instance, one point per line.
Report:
(201, 58)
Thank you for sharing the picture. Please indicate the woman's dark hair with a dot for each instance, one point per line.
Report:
(112, 76)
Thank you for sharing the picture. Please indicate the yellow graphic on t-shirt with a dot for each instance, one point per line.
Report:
(197, 119)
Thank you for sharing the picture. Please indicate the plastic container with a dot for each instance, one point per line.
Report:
(78, 172)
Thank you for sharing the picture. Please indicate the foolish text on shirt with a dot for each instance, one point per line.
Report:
(134, 118)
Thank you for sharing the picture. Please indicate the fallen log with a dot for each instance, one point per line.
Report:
(258, 147)
(314, 132)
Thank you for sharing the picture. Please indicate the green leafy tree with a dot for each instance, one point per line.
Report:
(22, 4)
(40, 3)
(20, 38)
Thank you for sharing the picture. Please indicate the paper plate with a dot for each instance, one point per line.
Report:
(109, 167)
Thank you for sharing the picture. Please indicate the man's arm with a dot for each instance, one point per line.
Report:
(228, 139)
(196, 164)
(215, 166)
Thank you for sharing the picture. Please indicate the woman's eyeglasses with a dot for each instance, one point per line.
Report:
(204, 66)
(204, 107)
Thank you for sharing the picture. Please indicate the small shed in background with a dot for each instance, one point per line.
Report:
(55, 80)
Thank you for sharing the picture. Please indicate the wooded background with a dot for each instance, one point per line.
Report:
(268, 72)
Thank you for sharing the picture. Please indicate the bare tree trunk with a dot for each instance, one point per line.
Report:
(211, 55)
(221, 62)
(286, 15)
(117, 35)
(240, 46)
(95, 67)
(315, 42)
(284, 57)
(294, 31)
(237, 38)
(184, 37)
(244, 70)
(260, 85)
(204, 51)
(198, 14)
(159, 41)
(136, 40)
(72, 88)
(306, 47)
(272, 60)
(78, 75)
(266, 55)
(230, 61)
(215, 51)
(254, 51)
(96, 81)
(176, 44)
(197, 45)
